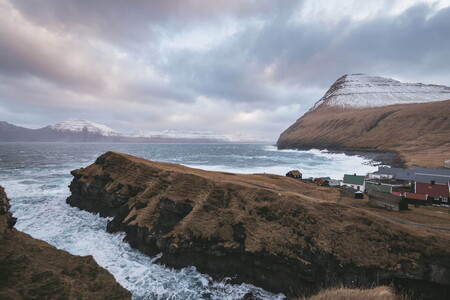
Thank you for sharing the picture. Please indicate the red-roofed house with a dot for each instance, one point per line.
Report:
(416, 199)
(437, 193)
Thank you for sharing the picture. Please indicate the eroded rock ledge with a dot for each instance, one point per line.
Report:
(263, 229)
(33, 269)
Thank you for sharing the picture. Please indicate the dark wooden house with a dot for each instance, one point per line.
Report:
(294, 174)
(347, 191)
(416, 199)
(387, 201)
(437, 193)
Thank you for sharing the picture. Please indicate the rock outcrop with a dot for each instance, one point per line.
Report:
(33, 269)
(264, 229)
(358, 117)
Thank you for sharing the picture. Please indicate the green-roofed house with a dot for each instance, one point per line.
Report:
(358, 182)
(379, 187)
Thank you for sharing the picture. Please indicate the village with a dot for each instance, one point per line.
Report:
(391, 188)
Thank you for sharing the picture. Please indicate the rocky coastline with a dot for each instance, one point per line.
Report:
(378, 157)
(268, 230)
(33, 269)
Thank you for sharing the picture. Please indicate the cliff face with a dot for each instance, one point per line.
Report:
(420, 133)
(268, 230)
(33, 269)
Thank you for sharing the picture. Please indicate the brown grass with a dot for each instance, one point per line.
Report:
(33, 269)
(280, 215)
(377, 293)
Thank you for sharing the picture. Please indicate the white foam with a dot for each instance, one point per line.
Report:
(42, 212)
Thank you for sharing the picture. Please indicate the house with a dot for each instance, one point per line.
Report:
(322, 181)
(437, 193)
(394, 173)
(355, 181)
(416, 199)
(440, 177)
(347, 191)
(334, 182)
(294, 174)
(379, 187)
(387, 201)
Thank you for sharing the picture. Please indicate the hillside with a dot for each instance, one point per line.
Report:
(418, 132)
(33, 269)
(269, 230)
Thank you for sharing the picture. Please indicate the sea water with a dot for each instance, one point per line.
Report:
(36, 178)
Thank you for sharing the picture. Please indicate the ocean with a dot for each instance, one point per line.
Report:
(36, 178)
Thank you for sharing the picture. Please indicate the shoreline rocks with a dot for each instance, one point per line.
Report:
(33, 269)
(268, 230)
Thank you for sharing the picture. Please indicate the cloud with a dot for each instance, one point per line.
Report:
(221, 65)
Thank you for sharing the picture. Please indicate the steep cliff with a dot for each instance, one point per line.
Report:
(33, 269)
(265, 229)
(358, 116)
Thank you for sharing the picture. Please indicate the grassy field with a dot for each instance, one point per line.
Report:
(431, 216)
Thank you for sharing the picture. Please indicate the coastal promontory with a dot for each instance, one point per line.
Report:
(367, 113)
(276, 232)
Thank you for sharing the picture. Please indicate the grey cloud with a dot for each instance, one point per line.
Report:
(268, 64)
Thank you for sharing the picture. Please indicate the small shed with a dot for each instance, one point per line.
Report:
(416, 199)
(387, 201)
(347, 191)
(294, 174)
(379, 187)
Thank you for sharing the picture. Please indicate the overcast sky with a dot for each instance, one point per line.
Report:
(224, 65)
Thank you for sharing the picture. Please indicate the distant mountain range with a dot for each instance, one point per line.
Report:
(361, 112)
(79, 130)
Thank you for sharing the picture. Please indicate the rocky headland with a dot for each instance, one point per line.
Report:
(273, 231)
(397, 123)
(33, 269)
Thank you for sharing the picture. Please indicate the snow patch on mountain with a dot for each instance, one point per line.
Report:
(361, 91)
(78, 125)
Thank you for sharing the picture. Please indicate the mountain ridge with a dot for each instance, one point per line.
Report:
(81, 130)
(418, 132)
(362, 91)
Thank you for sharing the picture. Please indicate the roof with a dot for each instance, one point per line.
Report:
(353, 179)
(433, 190)
(384, 196)
(295, 172)
(348, 188)
(415, 196)
(437, 178)
(417, 174)
(379, 187)
(396, 194)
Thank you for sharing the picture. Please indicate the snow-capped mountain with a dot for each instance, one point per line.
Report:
(80, 125)
(197, 135)
(182, 134)
(360, 91)
(79, 130)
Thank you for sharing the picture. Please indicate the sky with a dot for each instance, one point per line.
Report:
(229, 66)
